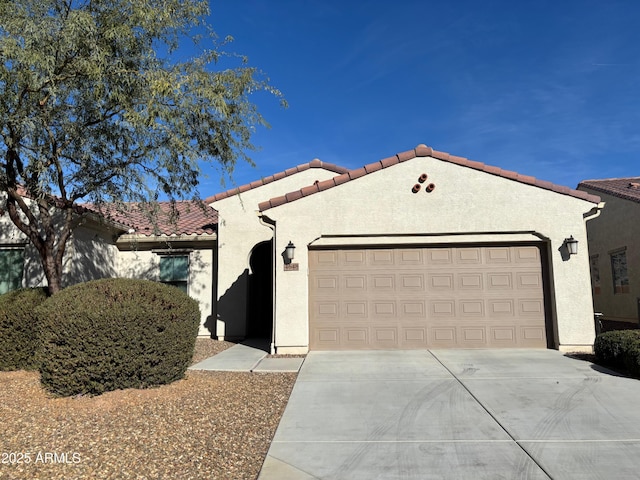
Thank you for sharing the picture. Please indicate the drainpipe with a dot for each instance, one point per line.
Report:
(271, 224)
(594, 212)
(590, 215)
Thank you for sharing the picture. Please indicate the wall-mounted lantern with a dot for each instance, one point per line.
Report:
(571, 244)
(289, 252)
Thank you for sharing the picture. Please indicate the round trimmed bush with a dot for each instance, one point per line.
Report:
(112, 334)
(611, 347)
(18, 328)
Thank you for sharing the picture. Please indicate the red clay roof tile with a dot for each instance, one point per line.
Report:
(421, 151)
(357, 173)
(387, 162)
(293, 196)
(373, 167)
(404, 156)
(340, 179)
(315, 163)
(326, 184)
(311, 189)
(191, 218)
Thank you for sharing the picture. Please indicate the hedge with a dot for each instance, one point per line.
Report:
(18, 328)
(113, 334)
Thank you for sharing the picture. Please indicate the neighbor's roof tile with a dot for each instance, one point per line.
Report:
(627, 187)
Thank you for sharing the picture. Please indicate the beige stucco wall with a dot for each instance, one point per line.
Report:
(89, 254)
(465, 201)
(239, 231)
(145, 264)
(617, 226)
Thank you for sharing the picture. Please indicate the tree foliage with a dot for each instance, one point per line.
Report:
(94, 107)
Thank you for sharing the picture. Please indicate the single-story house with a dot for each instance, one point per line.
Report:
(419, 250)
(614, 248)
(178, 251)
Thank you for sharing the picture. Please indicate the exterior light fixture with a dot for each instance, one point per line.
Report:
(289, 251)
(572, 245)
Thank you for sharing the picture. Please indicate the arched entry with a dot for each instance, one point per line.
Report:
(260, 308)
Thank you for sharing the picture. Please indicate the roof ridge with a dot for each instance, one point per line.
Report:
(315, 163)
(422, 151)
(610, 179)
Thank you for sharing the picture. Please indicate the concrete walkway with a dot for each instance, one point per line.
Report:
(456, 414)
(249, 356)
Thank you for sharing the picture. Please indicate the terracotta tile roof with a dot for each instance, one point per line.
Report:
(627, 188)
(191, 219)
(423, 151)
(258, 183)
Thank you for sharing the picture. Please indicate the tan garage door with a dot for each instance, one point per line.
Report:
(473, 297)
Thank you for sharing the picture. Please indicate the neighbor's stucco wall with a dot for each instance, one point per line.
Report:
(89, 254)
(145, 264)
(464, 201)
(239, 231)
(618, 226)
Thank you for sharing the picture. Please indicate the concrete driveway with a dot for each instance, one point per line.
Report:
(456, 414)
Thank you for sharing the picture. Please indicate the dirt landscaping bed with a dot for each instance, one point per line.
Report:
(211, 425)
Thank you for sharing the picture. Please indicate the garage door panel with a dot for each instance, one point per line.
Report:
(441, 281)
(411, 282)
(383, 283)
(413, 308)
(529, 280)
(354, 282)
(501, 308)
(527, 255)
(381, 257)
(411, 257)
(439, 256)
(470, 281)
(446, 308)
(469, 256)
(498, 255)
(485, 296)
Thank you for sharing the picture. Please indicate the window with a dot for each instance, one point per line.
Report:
(174, 270)
(619, 272)
(594, 263)
(11, 267)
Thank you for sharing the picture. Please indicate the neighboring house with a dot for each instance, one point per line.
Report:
(419, 250)
(178, 252)
(614, 248)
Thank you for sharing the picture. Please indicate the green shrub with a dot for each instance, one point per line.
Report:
(611, 347)
(112, 334)
(18, 328)
(631, 358)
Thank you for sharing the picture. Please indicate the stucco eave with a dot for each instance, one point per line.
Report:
(132, 241)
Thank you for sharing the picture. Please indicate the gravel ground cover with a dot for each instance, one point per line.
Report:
(210, 425)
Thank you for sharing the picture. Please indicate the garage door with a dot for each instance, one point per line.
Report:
(461, 297)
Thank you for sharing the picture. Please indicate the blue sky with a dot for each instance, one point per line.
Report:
(546, 88)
